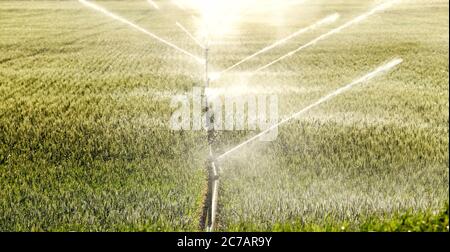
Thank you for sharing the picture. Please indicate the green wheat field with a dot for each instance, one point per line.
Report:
(85, 142)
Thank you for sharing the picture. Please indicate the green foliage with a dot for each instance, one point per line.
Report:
(84, 144)
(84, 108)
(436, 221)
(430, 221)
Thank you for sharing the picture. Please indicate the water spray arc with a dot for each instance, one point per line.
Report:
(191, 36)
(136, 27)
(356, 20)
(382, 69)
(330, 19)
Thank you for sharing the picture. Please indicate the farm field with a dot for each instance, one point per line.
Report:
(85, 142)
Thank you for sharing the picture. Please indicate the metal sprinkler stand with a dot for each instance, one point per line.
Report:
(213, 186)
(213, 174)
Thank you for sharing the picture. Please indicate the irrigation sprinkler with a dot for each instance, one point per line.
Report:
(212, 166)
(213, 180)
(209, 221)
(213, 183)
(213, 175)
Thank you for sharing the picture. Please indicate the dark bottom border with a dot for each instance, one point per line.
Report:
(233, 241)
